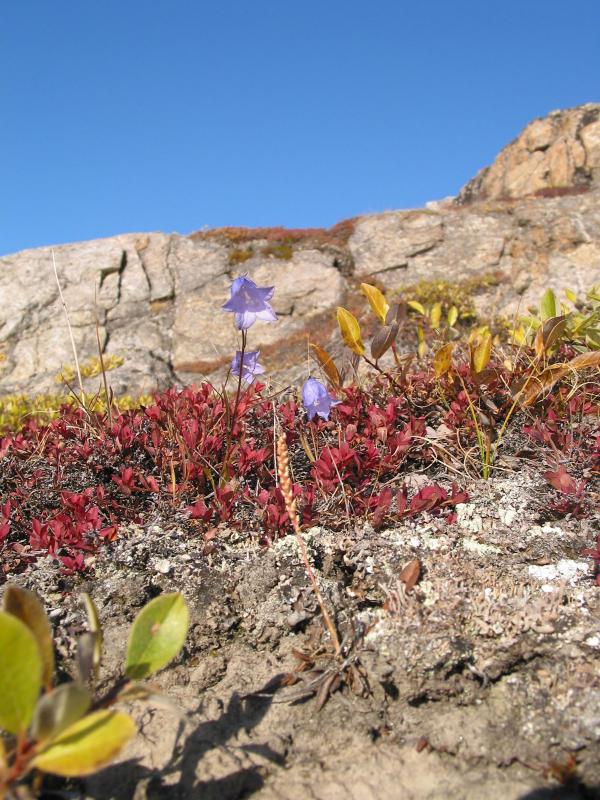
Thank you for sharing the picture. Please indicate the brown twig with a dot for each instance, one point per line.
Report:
(283, 463)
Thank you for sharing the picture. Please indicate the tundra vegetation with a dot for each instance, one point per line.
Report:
(434, 388)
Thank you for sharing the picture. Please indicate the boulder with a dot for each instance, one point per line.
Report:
(559, 152)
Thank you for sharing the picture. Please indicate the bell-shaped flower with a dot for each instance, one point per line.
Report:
(249, 302)
(316, 399)
(248, 365)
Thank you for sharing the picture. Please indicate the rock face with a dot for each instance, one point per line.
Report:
(532, 218)
(557, 152)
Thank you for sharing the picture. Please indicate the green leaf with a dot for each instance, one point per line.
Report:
(416, 306)
(87, 745)
(377, 301)
(157, 635)
(58, 709)
(27, 607)
(20, 674)
(548, 305)
(350, 330)
(570, 295)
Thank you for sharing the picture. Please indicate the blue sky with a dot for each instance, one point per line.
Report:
(122, 115)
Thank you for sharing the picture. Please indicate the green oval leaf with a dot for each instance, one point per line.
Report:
(20, 674)
(58, 709)
(157, 635)
(87, 745)
(548, 305)
(27, 607)
(350, 330)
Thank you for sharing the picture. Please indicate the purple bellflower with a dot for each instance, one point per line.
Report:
(316, 399)
(249, 302)
(247, 365)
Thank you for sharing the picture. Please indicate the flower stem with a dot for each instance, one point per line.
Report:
(233, 417)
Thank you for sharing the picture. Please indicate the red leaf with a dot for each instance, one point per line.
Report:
(561, 481)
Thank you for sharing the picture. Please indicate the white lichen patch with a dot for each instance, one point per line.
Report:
(566, 569)
(473, 546)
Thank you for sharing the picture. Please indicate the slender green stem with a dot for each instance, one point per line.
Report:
(233, 417)
(484, 452)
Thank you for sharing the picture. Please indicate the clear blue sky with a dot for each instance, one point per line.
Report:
(122, 115)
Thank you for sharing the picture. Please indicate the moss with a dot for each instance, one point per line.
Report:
(284, 251)
(240, 254)
(16, 410)
(89, 369)
(460, 295)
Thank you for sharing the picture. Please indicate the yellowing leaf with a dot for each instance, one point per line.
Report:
(416, 306)
(570, 295)
(350, 330)
(326, 362)
(157, 635)
(422, 346)
(20, 674)
(87, 745)
(518, 335)
(452, 316)
(480, 354)
(548, 305)
(376, 300)
(58, 709)
(3, 763)
(435, 315)
(27, 607)
(478, 333)
(442, 361)
(546, 379)
(549, 334)
(95, 628)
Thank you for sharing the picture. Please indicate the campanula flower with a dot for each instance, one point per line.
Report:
(316, 399)
(249, 302)
(248, 365)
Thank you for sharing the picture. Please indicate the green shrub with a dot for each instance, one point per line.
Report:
(64, 730)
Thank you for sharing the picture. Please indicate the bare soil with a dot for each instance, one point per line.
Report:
(480, 683)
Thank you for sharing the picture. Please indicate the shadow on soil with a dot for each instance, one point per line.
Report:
(571, 790)
(178, 780)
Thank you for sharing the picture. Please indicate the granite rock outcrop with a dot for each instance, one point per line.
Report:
(532, 218)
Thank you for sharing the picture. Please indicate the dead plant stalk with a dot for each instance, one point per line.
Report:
(283, 464)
